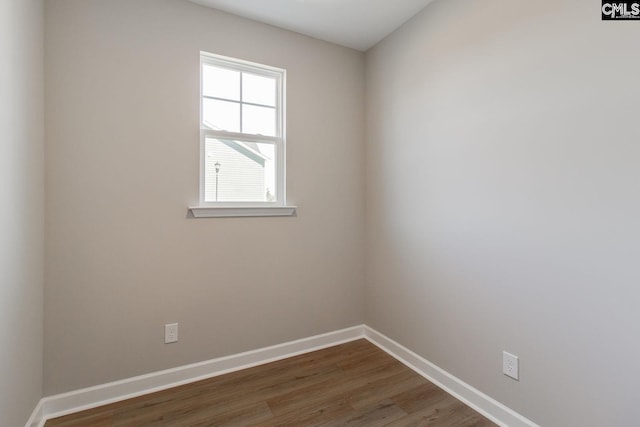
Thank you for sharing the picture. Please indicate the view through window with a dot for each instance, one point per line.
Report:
(242, 120)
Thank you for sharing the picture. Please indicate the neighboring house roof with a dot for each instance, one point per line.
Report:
(249, 149)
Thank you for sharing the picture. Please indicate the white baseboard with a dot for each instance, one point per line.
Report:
(104, 394)
(490, 408)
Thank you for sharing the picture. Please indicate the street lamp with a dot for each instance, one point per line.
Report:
(217, 166)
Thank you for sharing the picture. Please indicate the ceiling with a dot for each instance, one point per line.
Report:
(358, 24)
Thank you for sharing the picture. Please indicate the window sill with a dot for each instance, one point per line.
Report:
(226, 212)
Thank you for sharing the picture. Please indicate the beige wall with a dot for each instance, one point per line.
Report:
(123, 259)
(21, 219)
(503, 202)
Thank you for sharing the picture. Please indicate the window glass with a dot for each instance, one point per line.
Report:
(220, 83)
(258, 120)
(237, 171)
(221, 115)
(258, 89)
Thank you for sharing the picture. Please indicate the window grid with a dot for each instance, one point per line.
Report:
(241, 137)
(241, 109)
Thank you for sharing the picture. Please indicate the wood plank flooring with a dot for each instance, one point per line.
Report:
(353, 384)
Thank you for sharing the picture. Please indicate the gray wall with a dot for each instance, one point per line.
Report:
(123, 259)
(21, 218)
(503, 187)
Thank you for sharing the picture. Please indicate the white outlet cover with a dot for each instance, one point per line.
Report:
(170, 333)
(510, 365)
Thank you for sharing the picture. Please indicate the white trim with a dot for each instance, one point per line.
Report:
(37, 416)
(79, 400)
(240, 64)
(240, 211)
(92, 397)
(472, 397)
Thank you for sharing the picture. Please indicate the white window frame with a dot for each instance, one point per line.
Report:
(274, 208)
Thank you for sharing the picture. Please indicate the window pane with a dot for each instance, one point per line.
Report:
(259, 120)
(239, 171)
(221, 115)
(258, 89)
(220, 83)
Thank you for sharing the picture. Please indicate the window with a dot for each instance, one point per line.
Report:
(241, 135)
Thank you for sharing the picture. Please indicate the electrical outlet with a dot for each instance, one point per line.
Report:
(170, 333)
(510, 365)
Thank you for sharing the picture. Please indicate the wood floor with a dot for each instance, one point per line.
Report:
(353, 384)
